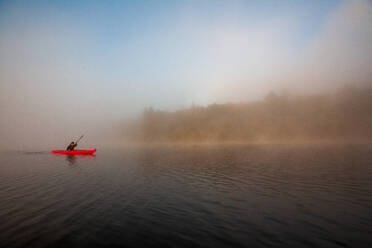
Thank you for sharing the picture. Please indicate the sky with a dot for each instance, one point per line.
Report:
(69, 67)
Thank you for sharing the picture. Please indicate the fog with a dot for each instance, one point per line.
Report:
(343, 116)
(89, 68)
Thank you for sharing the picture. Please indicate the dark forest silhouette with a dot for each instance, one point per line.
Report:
(343, 115)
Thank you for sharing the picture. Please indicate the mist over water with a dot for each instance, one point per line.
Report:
(62, 75)
(340, 117)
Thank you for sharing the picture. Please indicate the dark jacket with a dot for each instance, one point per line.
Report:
(71, 146)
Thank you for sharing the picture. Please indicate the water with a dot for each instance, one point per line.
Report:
(189, 196)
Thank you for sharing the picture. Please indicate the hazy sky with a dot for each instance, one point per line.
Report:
(70, 66)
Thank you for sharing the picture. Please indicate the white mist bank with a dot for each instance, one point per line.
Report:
(59, 77)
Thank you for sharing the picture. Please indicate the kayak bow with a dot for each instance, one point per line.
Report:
(74, 151)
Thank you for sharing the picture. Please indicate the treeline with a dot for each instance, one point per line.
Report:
(346, 114)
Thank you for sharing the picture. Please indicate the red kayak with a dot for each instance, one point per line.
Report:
(75, 151)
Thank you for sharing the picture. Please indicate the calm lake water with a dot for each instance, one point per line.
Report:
(189, 196)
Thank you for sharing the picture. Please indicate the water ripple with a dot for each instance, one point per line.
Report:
(206, 196)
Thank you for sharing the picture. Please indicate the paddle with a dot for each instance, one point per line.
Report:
(79, 139)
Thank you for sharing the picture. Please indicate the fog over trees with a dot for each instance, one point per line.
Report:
(343, 115)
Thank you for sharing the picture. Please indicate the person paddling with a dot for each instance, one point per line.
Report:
(71, 146)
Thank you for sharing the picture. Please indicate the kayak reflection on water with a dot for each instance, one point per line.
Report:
(73, 159)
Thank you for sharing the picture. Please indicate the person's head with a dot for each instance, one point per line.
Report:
(72, 143)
